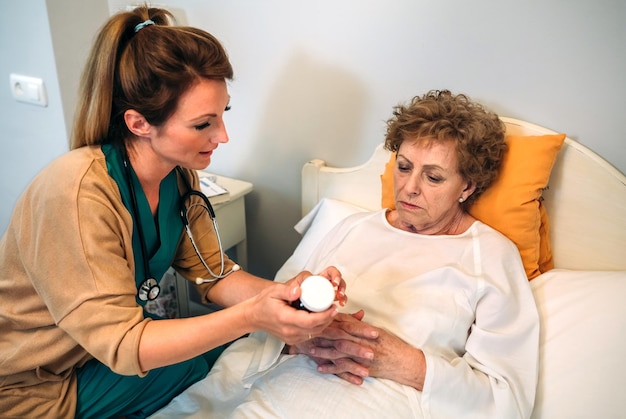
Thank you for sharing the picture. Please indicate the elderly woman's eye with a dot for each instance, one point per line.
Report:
(403, 168)
(433, 177)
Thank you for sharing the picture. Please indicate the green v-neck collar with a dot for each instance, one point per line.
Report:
(161, 233)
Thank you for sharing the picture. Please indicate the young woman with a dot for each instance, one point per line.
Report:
(93, 233)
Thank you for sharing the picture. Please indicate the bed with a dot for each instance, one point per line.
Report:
(578, 295)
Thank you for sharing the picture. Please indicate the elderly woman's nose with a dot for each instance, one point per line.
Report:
(413, 184)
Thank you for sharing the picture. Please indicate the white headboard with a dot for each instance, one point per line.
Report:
(585, 200)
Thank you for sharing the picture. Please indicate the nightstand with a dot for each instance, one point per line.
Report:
(231, 220)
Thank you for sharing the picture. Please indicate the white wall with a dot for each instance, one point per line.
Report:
(318, 79)
(49, 40)
(31, 135)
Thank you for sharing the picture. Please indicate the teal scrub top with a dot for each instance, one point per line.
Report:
(161, 233)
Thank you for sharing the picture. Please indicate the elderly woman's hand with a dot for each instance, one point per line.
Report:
(353, 350)
(339, 343)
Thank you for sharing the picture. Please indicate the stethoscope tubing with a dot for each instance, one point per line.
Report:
(206, 204)
(149, 289)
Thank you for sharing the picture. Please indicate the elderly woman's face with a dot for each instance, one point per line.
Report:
(428, 187)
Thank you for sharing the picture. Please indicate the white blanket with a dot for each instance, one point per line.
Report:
(241, 385)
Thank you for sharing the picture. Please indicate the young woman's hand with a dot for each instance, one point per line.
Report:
(334, 276)
(271, 309)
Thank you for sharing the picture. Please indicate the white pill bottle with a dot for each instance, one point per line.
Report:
(317, 295)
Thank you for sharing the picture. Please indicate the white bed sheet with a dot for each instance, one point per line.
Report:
(582, 371)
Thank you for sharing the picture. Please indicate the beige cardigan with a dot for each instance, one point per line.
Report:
(67, 287)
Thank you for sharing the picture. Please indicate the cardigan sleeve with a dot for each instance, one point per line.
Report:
(186, 261)
(76, 244)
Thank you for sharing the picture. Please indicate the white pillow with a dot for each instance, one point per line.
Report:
(314, 226)
(582, 372)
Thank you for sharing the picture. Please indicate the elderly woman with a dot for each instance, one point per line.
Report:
(444, 321)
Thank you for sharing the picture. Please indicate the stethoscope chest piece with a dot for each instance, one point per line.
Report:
(149, 290)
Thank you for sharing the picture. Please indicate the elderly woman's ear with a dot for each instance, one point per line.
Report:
(467, 192)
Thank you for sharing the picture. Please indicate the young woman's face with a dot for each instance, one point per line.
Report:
(428, 186)
(195, 129)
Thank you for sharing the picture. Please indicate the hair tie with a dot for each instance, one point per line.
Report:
(143, 25)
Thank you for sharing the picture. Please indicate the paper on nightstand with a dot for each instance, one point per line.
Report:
(216, 193)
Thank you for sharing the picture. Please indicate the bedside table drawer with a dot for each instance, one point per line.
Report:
(231, 221)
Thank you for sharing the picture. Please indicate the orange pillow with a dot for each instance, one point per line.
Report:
(512, 204)
(545, 262)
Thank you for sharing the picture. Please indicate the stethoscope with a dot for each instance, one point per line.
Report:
(149, 289)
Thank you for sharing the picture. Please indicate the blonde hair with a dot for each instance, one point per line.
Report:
(147, 70)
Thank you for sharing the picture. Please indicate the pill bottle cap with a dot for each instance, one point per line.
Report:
(317, 293)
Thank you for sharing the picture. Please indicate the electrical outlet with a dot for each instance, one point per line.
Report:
(28, 89)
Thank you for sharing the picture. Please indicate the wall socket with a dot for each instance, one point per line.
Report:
(28, 89)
